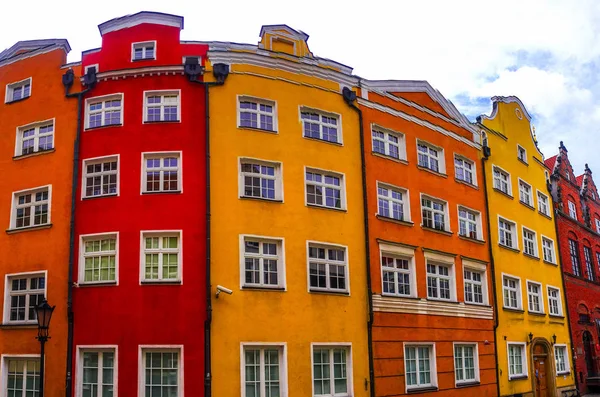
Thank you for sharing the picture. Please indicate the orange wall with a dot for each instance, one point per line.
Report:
(45, 249)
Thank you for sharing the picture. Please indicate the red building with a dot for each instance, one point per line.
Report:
(139, 272)
(577, 208)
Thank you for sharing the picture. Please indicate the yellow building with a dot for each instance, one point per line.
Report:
(533, 343)
(287, 224)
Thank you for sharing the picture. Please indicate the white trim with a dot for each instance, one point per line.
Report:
(81, 260)
(6, 308)
(540, 296)
(475, 362)
(162, 155)
(536, 250)
(530, 196)
(478, 221)
(278, 177)
(438, 260)
(524, 358)
(95, 160)
(283, 367)
(328, 289)
(161, 106)
(509, 182)
(402, 253)
(524, 150)
(321, 113)
(160, 234)
(446, 211)
(566, 358)
(473, 168)
(515, 235)
(560, 301)
(553, 249)
(32, 191)
(80, 349)
(259, 101)
(349, 366)
(94, 65)
(10, 87)
(102, 99)
(475, 267)
(159, 348)
(143, 45)
(325, 173)
(519, 291)
(4, 370)
(402, 155)
(441, 156)
(548, 203)
(128, 21)
(281, 265)
(432, 364)
(36, 137)
(405, 201)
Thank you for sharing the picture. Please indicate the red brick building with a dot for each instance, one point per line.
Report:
(577, 208)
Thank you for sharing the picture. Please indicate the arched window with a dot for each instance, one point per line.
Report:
(484, 138)
(584, 314)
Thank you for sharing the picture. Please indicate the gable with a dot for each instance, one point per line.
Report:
(284, 39)
(423, 99)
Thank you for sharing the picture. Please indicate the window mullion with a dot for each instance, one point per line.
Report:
(100, 372)
(331, 372)
(327, 281)
(261, 373)
(160, 260)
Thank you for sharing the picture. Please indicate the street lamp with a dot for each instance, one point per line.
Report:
(44, 314)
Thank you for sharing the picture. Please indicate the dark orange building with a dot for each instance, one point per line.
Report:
(433, 321)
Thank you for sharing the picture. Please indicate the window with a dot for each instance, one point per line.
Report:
(548, 248)
(574, 254)
(257, 113)
(161, 106)
(162, 172)
(100, 177)
(24, 293)
(392, 202)
(517, 361)
(396, 275)
(521, 153)
(161, 372)
(589, 264)
(31, 208)
(262, 262)
(507, 233)
(598, 259)
(572, 210)
(554, 302)
(529, 242)
(464, 170)
(104, 111)
(331, 371)
(466, 368)
(468, 223)
(525, 193)
(260, 179)
(430, 157)
(35, 138)
(543, 206)
(474, 283)
(511, 288)
(140, 51)
(263, 371)
(161, 253)
(319, 125)
(502, 181)
(439, 280)
(419, 366)
(324, 189)
(388, 143)
(97, 376)
(98, 260)
(434, 213)
(561, 356)
(328, 268)
(534, 297)
(19, 90)
(21, 377)
(597, 221)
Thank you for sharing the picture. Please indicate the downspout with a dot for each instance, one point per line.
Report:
(350, 98)
(220, 72)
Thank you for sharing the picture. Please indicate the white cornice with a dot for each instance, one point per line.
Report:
(128, 21)
(296, 34)
(429, 307)
(140, 72)
(32, 48)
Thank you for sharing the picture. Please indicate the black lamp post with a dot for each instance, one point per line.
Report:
(44, 314)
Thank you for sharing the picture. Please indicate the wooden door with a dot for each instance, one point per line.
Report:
(541, 378)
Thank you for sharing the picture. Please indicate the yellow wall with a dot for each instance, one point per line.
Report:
(516, 326)
(295, 316)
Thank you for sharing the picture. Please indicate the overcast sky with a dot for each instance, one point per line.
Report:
(545, 52)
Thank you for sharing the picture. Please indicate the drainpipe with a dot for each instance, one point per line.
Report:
(90, 81)
(350, 98)
(220, 71)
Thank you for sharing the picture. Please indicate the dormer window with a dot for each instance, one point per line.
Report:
(142, 51)
(17, 91)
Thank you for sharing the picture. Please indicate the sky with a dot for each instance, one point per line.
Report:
(543, 51)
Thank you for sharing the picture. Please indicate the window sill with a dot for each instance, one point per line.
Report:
(161, 282)
(87, 284)
(539, 314)
(274, 132)
(250, 198)
(550, 263)
(477, 304)
(322, 207)
(8, 326)
(143, 59)
(162, 192)
(475, 240)
(504, 193)
(322, 140)
(103, 126)
(510, 309)
(466, 183)
(262, 288)
(537, 258)
(544, 215)
(318, 291)
(101, 196)
(523, 161)
(506, 247)
(28, 229)
(517, 377)
(387, 157)
(17, 100)
(421, 390)
(430, 229)
(527, 205)
(161, 121)
(38, 153)
(394, 220)
(388, 295)
(467, 384)
(432, 172)
(441, 300)
(556, 316)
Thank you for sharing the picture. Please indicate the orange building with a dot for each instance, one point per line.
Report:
(37, 131)
(433, 321)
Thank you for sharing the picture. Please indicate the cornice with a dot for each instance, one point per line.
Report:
(430, 307)
(141, 72)
(128, 21)
(33, 48)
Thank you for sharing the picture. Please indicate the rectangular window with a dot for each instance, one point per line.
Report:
(572, 210)
(502, 180)
(525, 193)
(464, 170)
(434, 213)
(161, 374)
(146, 50)
(324, 189)
(328, 268)
(589, 265)
(22, 377)
(31, 208)
(439, 280)
(97, 378)
(507, 233)
(574, 254)
(598, 260)
(521, 153)
(263, 372)
(430, 157)
(554, 302)
(465, 363)
(597, 221)
(529, 242)
(511, 288)
(100, 177)
(419, 365)
(473, 281)
(34, 138)
(19, 90)
(548, 247)
(392, 202)
(543, 205)
(468, 223)
(25, 292)
(104, 111)
(534, 297)
(98, 261)
(517, 361)
(396, 274)
(257, 113)
(388, 143)
(162, 172)
(319, 125)
(260, 179)
(161, 253)
(161, 106)
(331, 371)
(263, 262)
(561, 356)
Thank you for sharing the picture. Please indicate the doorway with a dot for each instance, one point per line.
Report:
(587, 352)
(542, 368)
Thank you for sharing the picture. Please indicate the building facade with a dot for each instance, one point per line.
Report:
(533, 343)
(578, 218)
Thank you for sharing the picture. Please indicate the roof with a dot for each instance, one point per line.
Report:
(551, 161)
(27, 48)
(298, 33)
(579, 180)
(128, 21)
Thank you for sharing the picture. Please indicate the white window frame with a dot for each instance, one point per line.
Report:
(15, 206)
(283, 367)
(103, 99)
(524, 158)
(258, 112)
(281, 268)
(321, 113)
(441, 156)
(536, 251)
(96, 160)
(475, 347)
(398, 252)
(539, 295)
(162, 105)
(325, 173)
(11, 87)
(162, 155)
(514, 235)
(446, 212)
(159, 349)
(508, 181)
(523, 195)
(524, 372)
(478, 222)
(597, 221)
(546, 203)
(473, 169)
(387, 142)
(480, 268)
(558, 299)
(327, 246)
(94, 65)
(572, 209)
(437, 276)
(432, 365)
(79, 366)
(144, 45)
(552, 248)
(6, 309)
(36, 137)
(81, 265)
(405, 201)
(349, 364)
(518, 290)
(567, 369)
(160, 251)
(4, 368)
(278, 177)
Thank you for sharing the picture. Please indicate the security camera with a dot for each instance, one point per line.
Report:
(220, 289)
